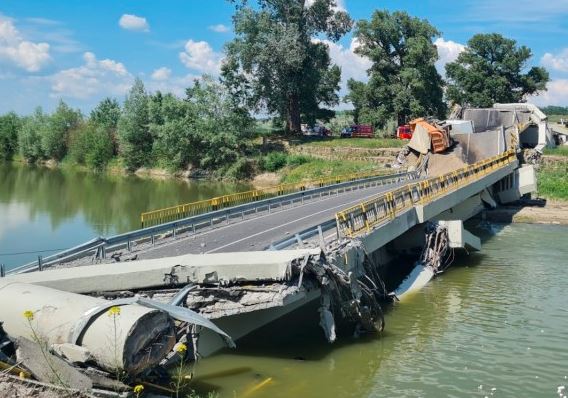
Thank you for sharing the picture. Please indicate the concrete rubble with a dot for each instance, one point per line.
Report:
(80, 331)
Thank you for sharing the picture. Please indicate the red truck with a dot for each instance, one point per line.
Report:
(404, 132)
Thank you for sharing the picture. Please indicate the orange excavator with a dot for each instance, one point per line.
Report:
(439, 135)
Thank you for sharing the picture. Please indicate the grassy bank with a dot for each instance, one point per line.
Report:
(558, 151)
(553, 183)
(357, 143)
(318, 168)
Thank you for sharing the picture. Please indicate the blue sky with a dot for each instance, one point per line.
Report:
(82, 51)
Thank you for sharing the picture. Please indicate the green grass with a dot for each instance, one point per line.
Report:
(553, 183)
(558, 151)
(318, 168)
(358, 143)
(556, 118)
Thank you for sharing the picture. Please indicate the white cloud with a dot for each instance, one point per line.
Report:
(352, 65)
(557, 94)
(162, 73)
(173, 84)
(448, 51)
(94, 78)
(199, 56)
(134, 22)
(219, 28)
(557, 62)
(19, 52)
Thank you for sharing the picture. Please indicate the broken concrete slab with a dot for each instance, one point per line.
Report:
(170, 271)
(48, 368)
(72, 352)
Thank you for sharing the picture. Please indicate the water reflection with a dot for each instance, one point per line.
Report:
(46, 208)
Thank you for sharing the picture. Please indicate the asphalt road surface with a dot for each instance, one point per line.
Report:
(259, 232)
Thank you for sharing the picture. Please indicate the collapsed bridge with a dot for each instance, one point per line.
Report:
(243, 263)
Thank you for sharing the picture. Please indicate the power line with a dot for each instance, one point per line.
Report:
(31, 252)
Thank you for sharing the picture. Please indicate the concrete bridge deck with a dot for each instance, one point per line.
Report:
(259, 233)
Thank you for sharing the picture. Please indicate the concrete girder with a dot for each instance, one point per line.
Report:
(169, 271)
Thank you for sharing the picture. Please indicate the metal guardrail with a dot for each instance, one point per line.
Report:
(363, 217)
(173, 213)
(99, 246)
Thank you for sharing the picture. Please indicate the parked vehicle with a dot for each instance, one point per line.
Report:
(404, 132)
(317, 130)
(362, 131)
(347, 132)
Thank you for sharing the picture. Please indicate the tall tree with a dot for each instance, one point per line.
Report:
(491, 70)
(403, 81)
(55, 137)
(10, 124)
(277, 60)
(106, 116)
(133, 129)
(29, 139)
(106, 113)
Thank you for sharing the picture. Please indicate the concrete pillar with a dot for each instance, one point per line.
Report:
(132, 340)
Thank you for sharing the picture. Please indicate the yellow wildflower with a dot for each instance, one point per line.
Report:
(22, 375)
(29, 315)
(114, 311)
(181, 348)
(138, 389)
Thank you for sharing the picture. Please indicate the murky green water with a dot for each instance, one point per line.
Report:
(42, 209)
(495, 325)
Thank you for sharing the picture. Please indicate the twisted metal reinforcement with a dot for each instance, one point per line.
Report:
(178, 212)
(363, 217)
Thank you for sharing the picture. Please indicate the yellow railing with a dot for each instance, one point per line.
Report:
(173, 213)
(364, 216)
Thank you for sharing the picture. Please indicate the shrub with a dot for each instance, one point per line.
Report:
(9, 127)
(274, 161)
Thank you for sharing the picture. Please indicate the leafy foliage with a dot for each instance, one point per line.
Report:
(490, 70)
(10, 124)
(133, 129)
(276, 65)
(29, 138)
(55, 135)
(403, 80)
(555, 110)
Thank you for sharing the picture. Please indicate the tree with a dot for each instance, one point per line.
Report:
(277, 62)
(55, 137)
(106, 113)
(10, 124)
(490, 70)
(29, 139)
(221, 122)
(133, 131)
(403, 81)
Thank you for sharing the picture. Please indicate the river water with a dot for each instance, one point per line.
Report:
(494, 325)
(42, 209)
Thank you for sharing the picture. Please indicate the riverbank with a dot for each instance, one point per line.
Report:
(554, 212)
(273, 162)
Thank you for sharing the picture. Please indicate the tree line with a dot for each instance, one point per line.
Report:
(206, 129)
(278, 64)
